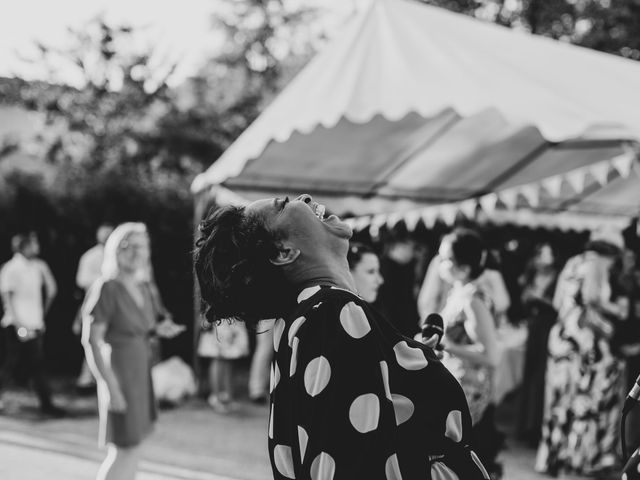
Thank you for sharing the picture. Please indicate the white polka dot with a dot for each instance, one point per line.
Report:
(271, 423)
(303, 439)
(294, 357)
(384, 368)
(354, 321)
(439, 471)
(480, 466)
(283, 460)
(278, 329)
(403, 408)
(295, 326)
(409, 358)
(624, 476)
(364, 413)
(308, 293)
(317, 375)
(275, 377)
(323, 467)
(454, 425)
(392, 468)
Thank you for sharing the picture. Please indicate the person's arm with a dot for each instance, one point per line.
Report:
(500, 295)
(84, 275)
(50, 286)
(431, 290)
(9, 310)
(7, 286)
(97, 313)
(481, 329)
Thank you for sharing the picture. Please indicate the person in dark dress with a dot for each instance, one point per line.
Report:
(396, 297)
(350, 397)
(538, 286)
(119, 319)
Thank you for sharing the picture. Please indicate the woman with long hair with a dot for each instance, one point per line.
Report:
(350, 396)
(119, 319)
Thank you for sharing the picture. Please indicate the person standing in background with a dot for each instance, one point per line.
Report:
(28, 290)
(120, 317)
(584, 380)
(434, 291)
(89, 270)
(365, 269)
(538, 284)
(396, 296)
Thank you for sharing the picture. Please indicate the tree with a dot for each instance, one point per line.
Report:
(611, 26)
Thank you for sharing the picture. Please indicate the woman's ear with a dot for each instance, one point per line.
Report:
(286, 255)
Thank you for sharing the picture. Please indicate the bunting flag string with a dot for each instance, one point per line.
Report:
(532, 196)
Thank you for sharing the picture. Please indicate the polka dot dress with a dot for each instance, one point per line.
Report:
(632, 468)
(352, 398)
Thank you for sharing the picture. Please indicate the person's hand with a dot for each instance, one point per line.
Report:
(168, 329)
(630, 350)
(117, 402)
(432, 341)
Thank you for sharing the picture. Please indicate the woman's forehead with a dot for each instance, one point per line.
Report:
(262, 207)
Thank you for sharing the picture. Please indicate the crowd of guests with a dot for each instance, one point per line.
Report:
(582, 351)
(583, 344)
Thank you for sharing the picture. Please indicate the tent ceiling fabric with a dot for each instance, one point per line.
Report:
(422, 161)
(413, 105)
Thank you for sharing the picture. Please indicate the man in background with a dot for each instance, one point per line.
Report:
(27, 288)
(89, 270)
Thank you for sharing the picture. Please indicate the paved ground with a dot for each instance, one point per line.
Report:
(190, 443)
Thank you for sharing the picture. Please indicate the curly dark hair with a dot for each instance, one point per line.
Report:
(468, 249)
(233, 268)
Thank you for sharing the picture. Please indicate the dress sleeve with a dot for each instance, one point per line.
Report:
(99, 304)
(345, 418)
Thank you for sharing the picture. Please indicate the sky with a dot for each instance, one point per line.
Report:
(179, 28)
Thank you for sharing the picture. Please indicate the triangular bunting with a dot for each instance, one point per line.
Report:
(532, 194)
(429, 216)
(393, 219)
(577, 179)
(600, 172)
(624, 163)
(489, 202)
(361, 223)
(468, 208)
(448, 213)
(553, 185)
(509, 197)
(411, 219)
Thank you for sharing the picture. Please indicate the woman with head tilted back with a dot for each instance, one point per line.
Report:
(119, 316)
(350, 397)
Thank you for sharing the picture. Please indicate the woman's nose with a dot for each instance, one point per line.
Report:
(305, 197)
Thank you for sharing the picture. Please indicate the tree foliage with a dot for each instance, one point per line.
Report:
(611, 26)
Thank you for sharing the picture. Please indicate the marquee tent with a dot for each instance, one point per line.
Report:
(413, 106)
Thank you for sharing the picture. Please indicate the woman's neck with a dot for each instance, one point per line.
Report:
(335, 273)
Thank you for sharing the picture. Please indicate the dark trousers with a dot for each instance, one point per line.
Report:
(31, 352)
